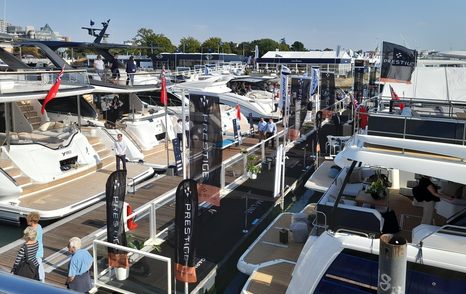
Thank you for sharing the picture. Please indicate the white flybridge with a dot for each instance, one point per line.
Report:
(45, 165)
(341, 253)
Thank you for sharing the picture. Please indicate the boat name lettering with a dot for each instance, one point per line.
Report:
(66, 153)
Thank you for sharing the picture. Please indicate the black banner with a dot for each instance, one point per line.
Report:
(358, 83)
(178, 158)
(206, 148)
(115, 190)
(251, 123)
(398, 63)
(327, 89)
(300, 98)
(235, 131)
(186, 230)
(372, 85)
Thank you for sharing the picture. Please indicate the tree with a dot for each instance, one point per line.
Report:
(265, 45)
(189, 45)
(212, 45)
(156, 42)
(283, 46)
(298, 46)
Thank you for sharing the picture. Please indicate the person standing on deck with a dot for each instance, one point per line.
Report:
(99, 66)
(270, 131)
(130, 71)
(115, 70)
(33, 221)
(120, 152)
(261, 129)
(79, 278)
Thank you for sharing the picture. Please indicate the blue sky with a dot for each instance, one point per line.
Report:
(357, 24)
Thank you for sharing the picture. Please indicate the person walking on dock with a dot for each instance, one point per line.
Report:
(79, 278)
(120, 152)
(33, 221)
(261, 129)
(270, 131)
(26, 264)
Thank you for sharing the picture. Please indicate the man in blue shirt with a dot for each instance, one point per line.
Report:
(261, 128)
(271, 130)
(79, 278)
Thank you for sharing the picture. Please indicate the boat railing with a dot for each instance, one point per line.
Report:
(441, 130)
(39, 80)
(140, 263)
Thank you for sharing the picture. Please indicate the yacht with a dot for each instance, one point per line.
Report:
(143, 129)
(45, 164)
(341, 252)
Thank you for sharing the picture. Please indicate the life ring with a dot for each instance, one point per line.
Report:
(132, 225)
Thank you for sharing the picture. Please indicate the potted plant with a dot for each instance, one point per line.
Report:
(252, 169)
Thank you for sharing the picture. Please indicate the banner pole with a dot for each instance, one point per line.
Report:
(166, 134)
(186, 288)
(183, 133)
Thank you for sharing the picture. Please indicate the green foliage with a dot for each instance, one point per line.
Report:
(189, 45)
(156, 42)
(251, 165)
(297, 46)
(212, 44)
(265, 45)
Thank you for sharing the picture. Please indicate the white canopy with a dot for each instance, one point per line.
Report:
(432, 83)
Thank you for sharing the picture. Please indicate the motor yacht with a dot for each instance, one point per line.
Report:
(45, 164)
(342, 249)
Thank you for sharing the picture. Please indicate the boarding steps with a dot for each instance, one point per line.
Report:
(105, 156)
(30, 114)
(8, 167)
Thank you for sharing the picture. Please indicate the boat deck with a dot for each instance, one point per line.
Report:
(71, 192)
(320, 181)
(272, 279)
(268, 246)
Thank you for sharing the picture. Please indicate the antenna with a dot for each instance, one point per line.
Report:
(98, 33)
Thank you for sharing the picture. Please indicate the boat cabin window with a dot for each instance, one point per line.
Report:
(356, 272)
(65, 105)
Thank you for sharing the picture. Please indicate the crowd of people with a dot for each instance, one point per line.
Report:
(114, 66)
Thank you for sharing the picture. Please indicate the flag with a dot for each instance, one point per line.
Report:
(163, 90)
(185, 231)
(393, 94)
(285, 72)
(238, 112)
(115, 190)
(53, 91)
(396, 97)
(206, 150)
(314, 80)
(327, 89)
(398, 63)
